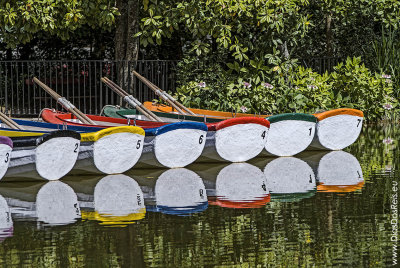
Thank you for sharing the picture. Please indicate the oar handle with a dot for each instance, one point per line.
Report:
(130, 100)
(47, 89)
(124, 95)
(109, 84)
(127, 98)
(116, 86)
(64, 102)
(158, 92)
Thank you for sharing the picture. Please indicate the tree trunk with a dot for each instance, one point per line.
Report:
(126, 46)
(329, 51)
(9, 54)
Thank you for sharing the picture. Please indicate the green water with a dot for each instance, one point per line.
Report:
(215, 215)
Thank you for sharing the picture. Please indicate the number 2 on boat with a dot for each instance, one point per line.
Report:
(76, 147)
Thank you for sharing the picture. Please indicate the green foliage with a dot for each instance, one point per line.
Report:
(253, 42)
(241, 30)
(356, 87)
(21, 20)
(344, 28)
(386, 57)
(250, 29)
(289, 88)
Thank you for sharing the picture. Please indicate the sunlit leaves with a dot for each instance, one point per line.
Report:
(20, 20)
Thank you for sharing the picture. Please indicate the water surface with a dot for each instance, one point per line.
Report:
(316, 209)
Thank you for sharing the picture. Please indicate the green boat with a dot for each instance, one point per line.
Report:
(119, 112)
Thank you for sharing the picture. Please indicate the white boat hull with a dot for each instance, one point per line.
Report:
(50, 160)
(236, 143)
(173, 149)
(337, 132)
(289, 137)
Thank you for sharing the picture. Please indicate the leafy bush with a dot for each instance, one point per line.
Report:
(386, 57)
(354, 86)
(290, 88)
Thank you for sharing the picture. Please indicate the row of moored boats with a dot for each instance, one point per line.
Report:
(153, 134)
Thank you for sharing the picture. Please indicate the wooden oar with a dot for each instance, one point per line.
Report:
(180, 105)
(9, 122)
(130, 100)
(65, 103)
(140, 106)
(159, 92)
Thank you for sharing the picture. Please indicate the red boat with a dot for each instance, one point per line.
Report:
(56, 117)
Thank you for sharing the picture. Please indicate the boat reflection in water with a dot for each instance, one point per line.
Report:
(51, 203)
(289, 179)
(111, 200)
(57, 204)
(337, 171)
(237, 185)
(6, 222)
(178, 191)
(121, 199)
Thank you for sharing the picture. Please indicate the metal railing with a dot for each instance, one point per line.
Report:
(79, 82)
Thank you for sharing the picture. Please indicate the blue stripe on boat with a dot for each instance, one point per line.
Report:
(179, 211)
(173, 126)
(149, 131)
(54, 126)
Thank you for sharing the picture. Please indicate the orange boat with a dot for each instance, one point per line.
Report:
(156, 107)
(337, 129)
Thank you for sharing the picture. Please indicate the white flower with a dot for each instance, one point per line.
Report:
(247, 84)
(266, 85)
(201, 84)
(387, 106)
(244, 109)
(386, 76)
(312, 87)
(388, 140)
